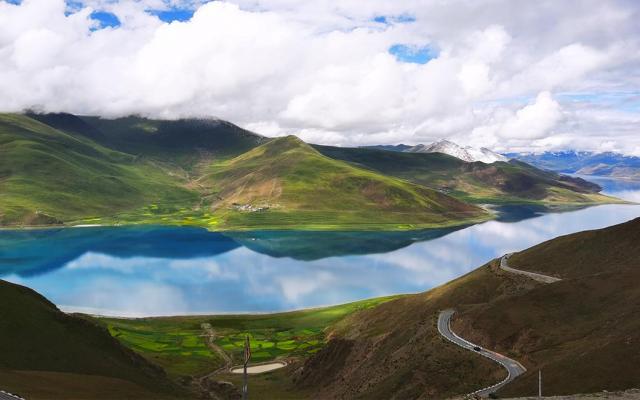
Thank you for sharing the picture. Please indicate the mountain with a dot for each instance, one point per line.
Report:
(48, 354)
(49, 176)
(183, 142)
(286, 182)
(62, 169)
(468, 153)
(609, 164)
(510, 182)
(582, 331)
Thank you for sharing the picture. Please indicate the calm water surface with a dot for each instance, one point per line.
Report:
(143, 271)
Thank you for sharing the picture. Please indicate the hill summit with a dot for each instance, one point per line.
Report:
(286, 176)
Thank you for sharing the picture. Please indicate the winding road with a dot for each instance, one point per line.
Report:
(514, 368)
(504, 265)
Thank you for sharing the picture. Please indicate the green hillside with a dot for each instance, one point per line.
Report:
(60, 168)
(582, 332)
(498, 183)
(47, 354)
(48, 176)
(66, 169)
(286, 182)
(182, 143)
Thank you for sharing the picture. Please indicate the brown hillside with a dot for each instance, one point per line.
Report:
(583, 331)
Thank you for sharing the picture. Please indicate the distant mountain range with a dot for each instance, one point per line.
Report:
(466, 153)
(609, 164)
(606, 164)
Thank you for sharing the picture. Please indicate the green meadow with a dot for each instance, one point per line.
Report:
(179, 344)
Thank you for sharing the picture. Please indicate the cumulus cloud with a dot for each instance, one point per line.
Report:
(324, 69)
(535, 120)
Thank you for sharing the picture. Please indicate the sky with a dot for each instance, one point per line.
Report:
(511, 75)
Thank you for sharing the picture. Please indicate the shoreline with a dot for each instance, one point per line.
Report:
(372, 227)
(238, 314)
(490, 208)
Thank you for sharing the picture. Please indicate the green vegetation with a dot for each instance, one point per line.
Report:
(58, 169)
(180, 344)
(180, 350)
(181, 145)
(498, 183)
(48, 354)
(286, 183)
(48, 177)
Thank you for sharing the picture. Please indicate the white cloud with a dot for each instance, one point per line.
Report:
(535, 120)
(322, 69)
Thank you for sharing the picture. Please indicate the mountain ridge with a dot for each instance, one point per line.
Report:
(286, 174)
(512, 182)
(61, 169)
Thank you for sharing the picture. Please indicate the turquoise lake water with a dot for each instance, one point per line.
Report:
(145, 271)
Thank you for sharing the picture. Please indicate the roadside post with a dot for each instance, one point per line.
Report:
(540, 384)
(247, 357)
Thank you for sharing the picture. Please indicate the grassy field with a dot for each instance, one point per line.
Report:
(179, 344)
(180, 349)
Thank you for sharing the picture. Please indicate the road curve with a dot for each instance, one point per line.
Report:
(504, 265)
(514, 368)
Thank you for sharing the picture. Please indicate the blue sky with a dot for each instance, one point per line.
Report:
(413, 54)
(108, 19)
(392, 19)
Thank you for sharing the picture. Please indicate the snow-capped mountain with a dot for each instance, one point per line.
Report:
(468, 153)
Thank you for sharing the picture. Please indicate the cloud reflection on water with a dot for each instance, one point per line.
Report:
(239, 279)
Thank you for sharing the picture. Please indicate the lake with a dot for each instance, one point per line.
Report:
(151, 271)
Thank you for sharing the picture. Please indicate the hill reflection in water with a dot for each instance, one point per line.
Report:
(139, 271)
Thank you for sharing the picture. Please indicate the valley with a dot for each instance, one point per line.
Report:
(388, 345)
